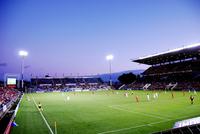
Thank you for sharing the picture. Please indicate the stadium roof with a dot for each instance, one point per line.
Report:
(182, 53)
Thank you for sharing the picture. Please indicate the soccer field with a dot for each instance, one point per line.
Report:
(104, 112)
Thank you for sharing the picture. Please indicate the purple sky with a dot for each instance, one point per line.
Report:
(74, 36)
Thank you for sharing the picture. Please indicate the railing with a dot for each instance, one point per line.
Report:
(192, 129)
(8, 128)
(5, 108)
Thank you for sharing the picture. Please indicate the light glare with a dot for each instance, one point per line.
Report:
(109, 57)
(23, 53)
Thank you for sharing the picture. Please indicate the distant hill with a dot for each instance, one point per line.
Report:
(105, 77)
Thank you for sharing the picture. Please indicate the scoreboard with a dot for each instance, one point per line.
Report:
(11, 80)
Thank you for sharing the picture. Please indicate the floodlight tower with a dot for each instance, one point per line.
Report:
(22, 54)
(109, 58)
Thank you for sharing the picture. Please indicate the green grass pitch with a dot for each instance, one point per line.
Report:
(104, 112)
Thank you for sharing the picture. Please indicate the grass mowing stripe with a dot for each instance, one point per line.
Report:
(144, 125)
(88, 113)
(118, 130)
(148, 115)
(43, 117)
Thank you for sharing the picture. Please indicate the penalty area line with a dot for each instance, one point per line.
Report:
(128, 128)
(141, 113)
(142, 125)
(47, 124)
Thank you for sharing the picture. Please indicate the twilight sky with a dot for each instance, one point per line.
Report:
(74, 36)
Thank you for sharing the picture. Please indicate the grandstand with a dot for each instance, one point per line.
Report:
(51, 81)
(8, 99)
(66, 83)
(110, 111)
(177, 69)
(192, 129)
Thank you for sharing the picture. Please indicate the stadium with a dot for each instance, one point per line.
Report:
(99, 67)
(157, 102)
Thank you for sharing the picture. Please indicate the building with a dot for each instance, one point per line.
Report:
(177, 69)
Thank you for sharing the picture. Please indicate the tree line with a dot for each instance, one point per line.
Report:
(128, 78)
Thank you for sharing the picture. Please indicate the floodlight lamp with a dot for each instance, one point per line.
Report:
(23, 53)
(109, 57)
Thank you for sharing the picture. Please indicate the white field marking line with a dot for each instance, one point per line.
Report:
(165, 100)
(153, 123)
(43, 117)
(181, 111)
(148, 115)
(178, 98)
(118, 130)
(155, 115)
(164, 117)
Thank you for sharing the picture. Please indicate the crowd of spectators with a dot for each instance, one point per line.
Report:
(186, 85)
(69, 87)
(135, 86)
(66, 84)
(64, 81)
(195, 85)
(180, 75)
(8, 95)
(179, 67)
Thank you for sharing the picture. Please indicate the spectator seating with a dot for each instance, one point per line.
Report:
(7, 97)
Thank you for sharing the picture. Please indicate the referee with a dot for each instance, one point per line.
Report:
(192, 99)
(40, 106)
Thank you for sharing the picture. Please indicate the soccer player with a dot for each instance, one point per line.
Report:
(137, 99)
(68, 98)
(148, 97)
(40, 106)
(156, 95)
(172, 95)
(192, 99)
(62, 94)
(126, 94)
(195, 92)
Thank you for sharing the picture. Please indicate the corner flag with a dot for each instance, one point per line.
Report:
(14, 124)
